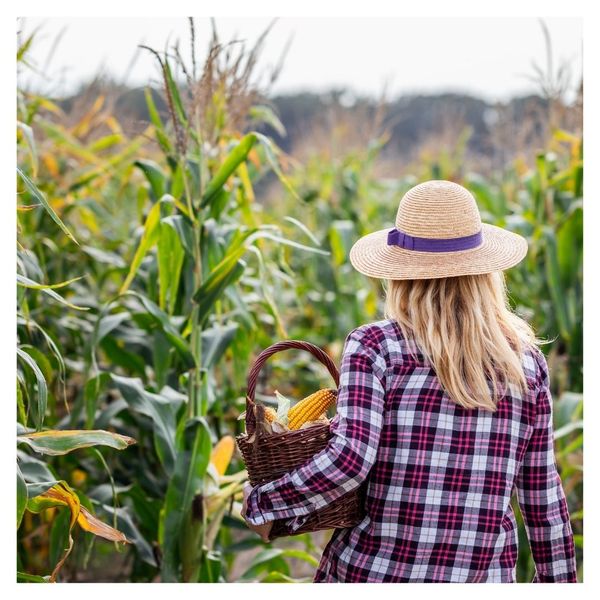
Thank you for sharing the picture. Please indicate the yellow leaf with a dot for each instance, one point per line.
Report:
(62, 495)
(88, 522)
(51, 164)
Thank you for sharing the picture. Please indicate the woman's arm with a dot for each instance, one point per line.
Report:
(344, 464)
(542, 498)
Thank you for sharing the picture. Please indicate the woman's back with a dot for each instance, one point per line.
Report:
(439, 491)
(444, 431)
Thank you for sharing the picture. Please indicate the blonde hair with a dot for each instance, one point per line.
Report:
(465, 327)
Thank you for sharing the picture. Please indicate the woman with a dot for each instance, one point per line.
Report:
(444, 408)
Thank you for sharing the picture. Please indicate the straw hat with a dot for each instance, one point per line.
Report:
(438, 233)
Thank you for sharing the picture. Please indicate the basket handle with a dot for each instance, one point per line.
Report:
(261, 359)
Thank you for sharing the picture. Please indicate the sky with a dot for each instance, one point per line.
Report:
(489, 57)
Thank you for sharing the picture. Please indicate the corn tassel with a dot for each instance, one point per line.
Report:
(222, 453)
(311, 408)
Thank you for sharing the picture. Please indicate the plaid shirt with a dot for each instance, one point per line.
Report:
(439, 477)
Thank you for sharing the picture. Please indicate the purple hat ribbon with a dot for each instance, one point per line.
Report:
(396, 237)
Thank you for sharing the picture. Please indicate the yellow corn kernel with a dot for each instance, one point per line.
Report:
(222, 452)
(270, 414)
(311, 407)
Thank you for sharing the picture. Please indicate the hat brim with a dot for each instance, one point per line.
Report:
(500, 250)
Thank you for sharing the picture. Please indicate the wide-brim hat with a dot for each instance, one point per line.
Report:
(438, 233)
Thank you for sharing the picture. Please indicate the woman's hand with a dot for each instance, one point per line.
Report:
(262, 530)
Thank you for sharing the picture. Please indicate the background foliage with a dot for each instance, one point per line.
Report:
(153, 266)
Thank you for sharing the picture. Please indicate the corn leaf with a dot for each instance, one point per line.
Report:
(271, 155)
(39, 408)
(148, 240)
(162, 320)
(159, 128)
(154, 175)
(61, 494)
(41, 199)
(33, 469)
(193, 454)
(91, 392)
(264, 114)
(215, 341)
(144, 516)
(27, 578)
(170, 261)
(58, 442)
(160, 409)
(174, 90)
(105, 142)
(26, 282)
(21, 496)
(229, 165)
(555, 286)
(30, 140)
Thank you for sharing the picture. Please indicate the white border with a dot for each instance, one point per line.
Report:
(308, 8)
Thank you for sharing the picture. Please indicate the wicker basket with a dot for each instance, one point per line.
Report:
(269, 456)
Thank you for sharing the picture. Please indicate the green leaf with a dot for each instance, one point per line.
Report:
(277, 577)
(555, 285)
(265, 114)
(567, 429)
(159, 409)
(210, 568)
(41, 199)
(227, 272)
(27, 578)
(159, 128)
(301, 555)
(215, 340)
(21, 496)
(304, 229)
(37, 489)
(178, 104)
(341, 237)
(270, 559)
(49, 289)
(30, 140)
(569, 246)
(21, 412)
(39, 408)
(59, 442)
(155, 177)
(149, 238)
(163, 321)
(286, 242)
(229, 165)
(33, 469)
(271, 155)
(170, 261)
(105, 142)
(184, 230)
(127, 525)
(193, 455)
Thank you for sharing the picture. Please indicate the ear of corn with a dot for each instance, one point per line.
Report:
(311, 408)
(270, 414)
(221, 454)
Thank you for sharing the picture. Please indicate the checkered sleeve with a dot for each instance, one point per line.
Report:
(344, 464)
(542, 498)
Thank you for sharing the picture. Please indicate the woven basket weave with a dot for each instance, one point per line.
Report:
(270, 456)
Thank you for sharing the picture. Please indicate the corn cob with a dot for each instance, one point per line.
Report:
(311, 407)
(221, 454)
(270, 414)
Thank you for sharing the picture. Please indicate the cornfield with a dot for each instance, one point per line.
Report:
(151, 269)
